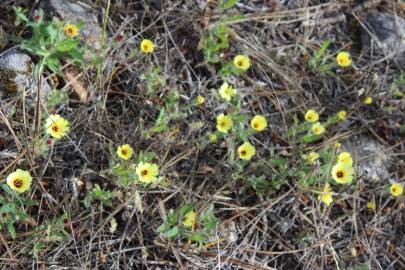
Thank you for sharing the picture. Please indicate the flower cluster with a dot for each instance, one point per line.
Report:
(312, 116)
(343, 171)
(146, 172)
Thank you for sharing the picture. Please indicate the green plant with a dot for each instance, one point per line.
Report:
(319, 60)
(12, 209)
(216, 36)
(171, 111)
(203, 232)
(154, 79)
(397, 86)
(104, 196)
(125, 171)
(214, 40)
(50, 231)
(49, 42)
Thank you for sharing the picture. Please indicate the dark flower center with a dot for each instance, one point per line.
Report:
(340, 174)
(18, 183)
(55, 128)
(144, 172)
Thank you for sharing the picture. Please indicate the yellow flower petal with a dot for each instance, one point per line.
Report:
(312, 157)
(199, 100)
(396, 189)
(345, 158)
(125, 151)
(311, 116)
(344, 59)
(326, 196)
(71, 30)
(371, 205)
(189, 219)
(19, 180)
(258, 123)
(246, 151)
(147, 172)
(224, 123)
(342, 173)
(342, 115)
(226, 91)
(242, 62)
(56, 126)
(368, 100)
(317, 129)
(147, 46)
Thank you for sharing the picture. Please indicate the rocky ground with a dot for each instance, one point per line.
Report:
(265, 213)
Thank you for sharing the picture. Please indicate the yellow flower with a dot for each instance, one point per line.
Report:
(147, 172)
(396, 189)
(345, 158)
(147, 46)
(311, 116)
(342, 115)
(371, 205)
(56, 126)
(337, 145)
(246, 151)
(258, 123)
(344, 59)
(212, 137)
(326, 195)
(342, 173)
(71, 30)
(242, 62)
(189, 219)
(226, 91)
(125, 151)
(317, 129)
(224, 123)
(19, 180)
(199, 100)
(368, 100)
(312, 157)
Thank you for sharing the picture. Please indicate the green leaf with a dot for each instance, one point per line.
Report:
(52, 32)
(226, 4)
(323, 49)
(11, 230)
(311, 138)
(186, 208)
(68, 45)
(173, 232)
(20, 15)
(76, 55)
(53, 64)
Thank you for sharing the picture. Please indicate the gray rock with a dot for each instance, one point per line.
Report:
(372, 161)
(16, 75)
(75, 13)
(385, 34)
